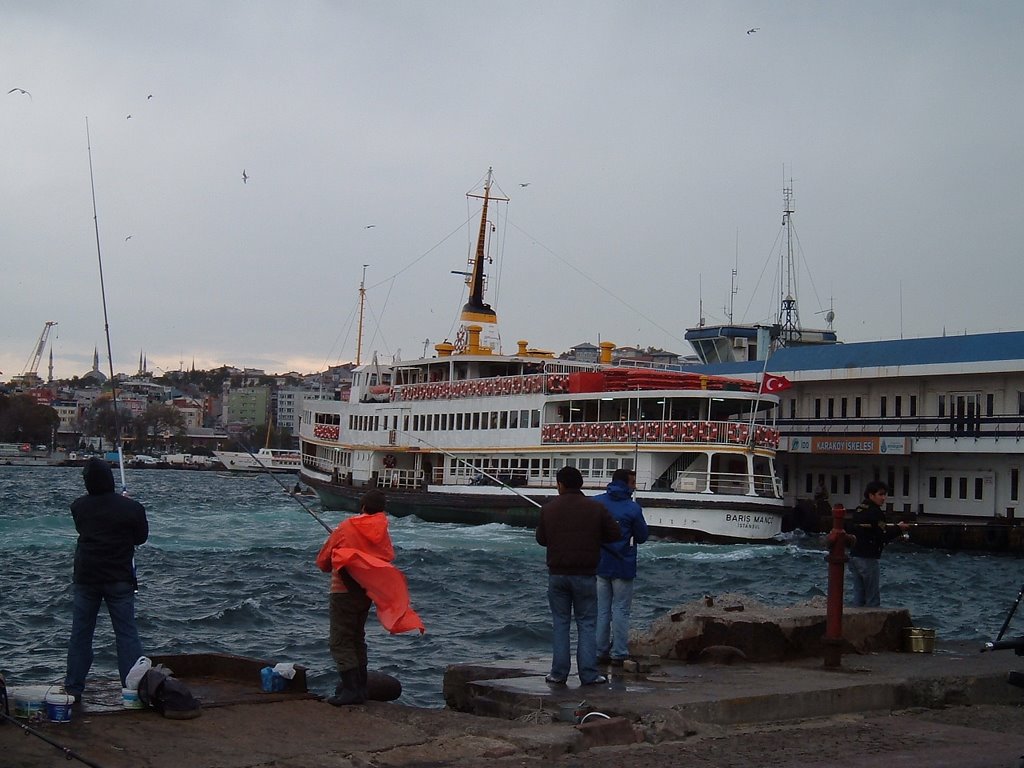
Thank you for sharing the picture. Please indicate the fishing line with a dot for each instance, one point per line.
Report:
(471, 466)
(1009, 616)
(106, 322)
(287, 490)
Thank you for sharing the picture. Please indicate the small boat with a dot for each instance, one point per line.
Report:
(264, 460)
(472, 435)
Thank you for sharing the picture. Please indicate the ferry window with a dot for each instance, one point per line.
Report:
(792, 408)
(535, 420)
(458, 421)
(503, 423)
(405, 423)
(897, 406)
(881, 406)
(847, 482)
(933, 487)
(842, 407)
(1020, 403)
(598, 466)
(990, 404)
(476, 420)
(1014, 483)
(513, 419)
(978, 488)
(963, 487)
(947, 487)
(890, 479)
(856, 407)
(627, 464)
(485, 421)
(913, 405)
(906, 481)
(831, 407)
(612, 464)
(942, 405)
(817, 407)
(494, 419)
(833, 486)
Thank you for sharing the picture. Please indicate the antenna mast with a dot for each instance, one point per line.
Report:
(789, 315)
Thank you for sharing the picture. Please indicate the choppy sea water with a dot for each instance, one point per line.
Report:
(229, 568)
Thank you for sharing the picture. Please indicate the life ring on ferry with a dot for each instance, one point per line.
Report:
(732, 433)
(652, 432)
(702, 431)
(743, 432)
(671, 432)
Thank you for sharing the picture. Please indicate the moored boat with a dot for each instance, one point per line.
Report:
(472, 435)
(264, 460)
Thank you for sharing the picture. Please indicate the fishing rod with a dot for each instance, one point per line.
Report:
(1013, 609)
(277, 480)
(106, 322)
(69, 754)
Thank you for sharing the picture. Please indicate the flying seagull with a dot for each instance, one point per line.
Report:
(753, 30)
(524, 183)
(20, 90)
(245, 177)
(150, 96)
(128, 238)
(369, 226)
(129, 117)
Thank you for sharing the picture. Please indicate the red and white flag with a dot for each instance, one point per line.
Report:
(771, 384)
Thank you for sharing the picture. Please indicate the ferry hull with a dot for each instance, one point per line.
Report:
(692, 522)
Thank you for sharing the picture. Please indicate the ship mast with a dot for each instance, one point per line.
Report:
(476, 311)
(362, 304)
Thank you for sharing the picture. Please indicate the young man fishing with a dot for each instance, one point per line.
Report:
(358, 555)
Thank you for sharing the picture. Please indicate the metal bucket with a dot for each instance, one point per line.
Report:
(919, 640)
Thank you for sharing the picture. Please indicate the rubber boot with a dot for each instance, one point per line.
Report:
(347, 691)
(364, 676)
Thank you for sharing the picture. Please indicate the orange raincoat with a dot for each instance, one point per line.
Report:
(362, 546)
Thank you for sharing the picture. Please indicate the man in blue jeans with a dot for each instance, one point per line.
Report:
(573, 527)
(109, 528)
(617, 569)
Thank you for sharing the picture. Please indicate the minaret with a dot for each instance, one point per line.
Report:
(95, 359)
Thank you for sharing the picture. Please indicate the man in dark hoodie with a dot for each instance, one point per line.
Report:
(617, 569)
(109, 527)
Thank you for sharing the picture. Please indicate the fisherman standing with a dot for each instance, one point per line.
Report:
(573, 527)
(617, 569)
(872, 532)
(358, 555)
(109, 527)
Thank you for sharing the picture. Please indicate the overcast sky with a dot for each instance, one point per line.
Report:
(655, 139)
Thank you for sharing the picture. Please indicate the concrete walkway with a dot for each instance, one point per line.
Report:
(950, 708)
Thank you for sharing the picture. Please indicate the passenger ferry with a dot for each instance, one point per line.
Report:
(264, 460)
(472, 435)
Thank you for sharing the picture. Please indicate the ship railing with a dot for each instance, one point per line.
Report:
(727, 483)
(401, 478)
(686, 432)
(493, 386)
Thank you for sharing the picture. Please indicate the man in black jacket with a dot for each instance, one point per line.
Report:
(872, 532)
(573, 527)
(109, 528)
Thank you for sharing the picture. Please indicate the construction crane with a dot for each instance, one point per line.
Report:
(29, 375)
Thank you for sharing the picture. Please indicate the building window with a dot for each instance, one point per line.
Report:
(1014, 483)
(817, 407)
(831, 408)
(906, 481)
(913, 405)
(881, 406)
(979, 486)
(963, 488)
(942, 405)
(947, 487)
(890, 479)
(856, 407)
(897, 406)
(933, 487)
(842, 407)
(847, 482)
(808, 483)
(792, 408)
(990, 404)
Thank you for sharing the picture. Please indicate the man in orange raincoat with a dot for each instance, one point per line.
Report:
(358, 555)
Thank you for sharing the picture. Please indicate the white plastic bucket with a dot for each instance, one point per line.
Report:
(130, 699)
(26, 701)
(58, 706)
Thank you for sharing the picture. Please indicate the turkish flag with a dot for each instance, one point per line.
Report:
(771, 384)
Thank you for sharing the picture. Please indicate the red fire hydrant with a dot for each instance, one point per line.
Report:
(838, 540)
